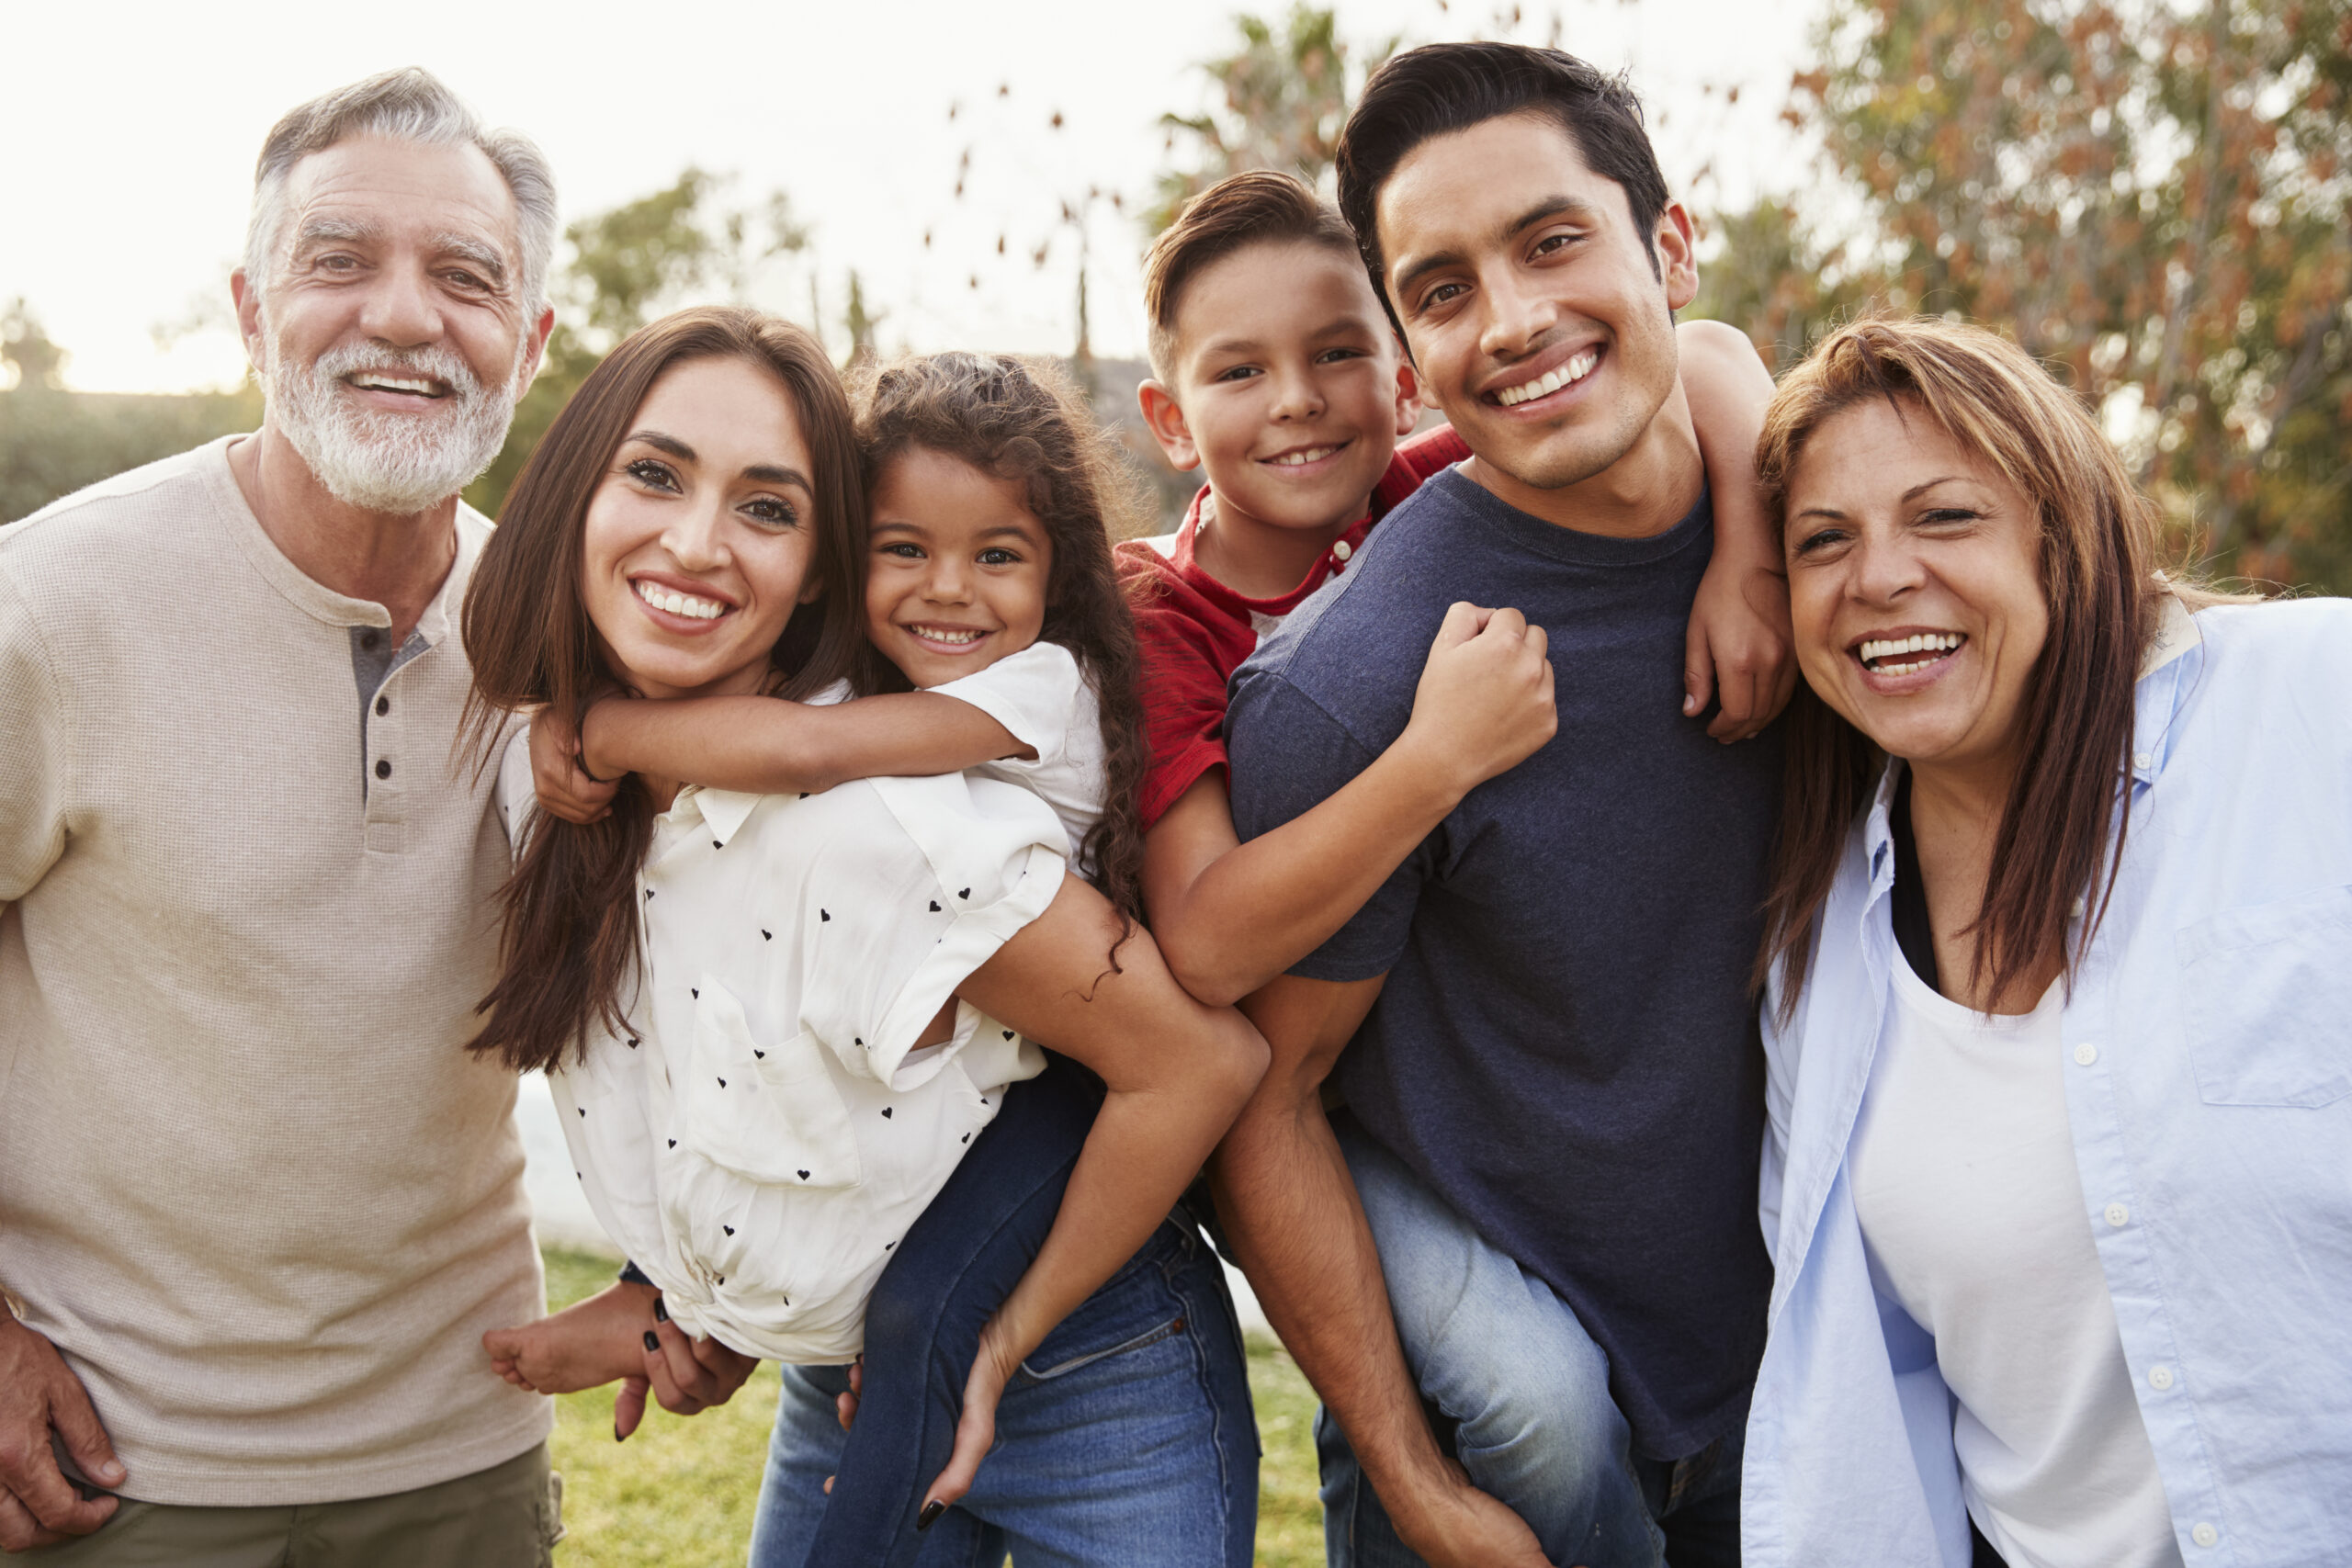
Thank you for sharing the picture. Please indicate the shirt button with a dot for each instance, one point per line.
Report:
(383, 769)
(2086, 1054)
(2160, 1378)
(371, 640)
(2142, 760)
(2205, 1535)
(2118, 1216)
(1343, 550)
(2079, 908)
(383, 706)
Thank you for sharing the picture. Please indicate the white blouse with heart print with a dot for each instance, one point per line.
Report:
(761, 1139)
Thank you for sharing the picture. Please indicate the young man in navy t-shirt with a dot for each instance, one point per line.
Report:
(1551, 1082)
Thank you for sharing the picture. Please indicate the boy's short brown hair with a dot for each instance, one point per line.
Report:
(1257, 206)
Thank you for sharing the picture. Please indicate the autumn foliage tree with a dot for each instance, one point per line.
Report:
(2152, 196)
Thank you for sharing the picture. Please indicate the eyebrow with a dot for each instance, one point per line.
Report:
(474, 253)
(1550, 207)
(326, 231)
(763, 473)
(1912, 494)
(1338, 326)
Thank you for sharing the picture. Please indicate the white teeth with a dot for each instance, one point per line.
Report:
(1575, 369)
(397, 384)
(1936, 643)
(684, 604)
(954, 635)
(1311, 454)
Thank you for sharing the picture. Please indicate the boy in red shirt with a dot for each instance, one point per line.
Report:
(1277, 373)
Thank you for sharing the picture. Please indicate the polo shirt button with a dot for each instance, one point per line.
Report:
(2160, 1378)
(2205, 1535)
(2079, 908)
(383, 706)
(2086, 1054)
(2142, 760)
(371, 640)
(1343, 550)
(2118, 1216)
(383, 769)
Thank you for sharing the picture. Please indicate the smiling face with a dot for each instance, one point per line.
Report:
(958, 569)
(1539, 322)
(391, 330)
(1915, 585)
(1289, 389)
(698, 544)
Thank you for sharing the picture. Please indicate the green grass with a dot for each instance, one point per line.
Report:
(679, 1493)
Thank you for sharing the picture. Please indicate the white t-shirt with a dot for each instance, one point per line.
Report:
(763, 1139)
(1971, 1204)
(1040, 694)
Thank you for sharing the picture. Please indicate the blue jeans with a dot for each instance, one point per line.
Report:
(1128, 1437)
(1520, 1392)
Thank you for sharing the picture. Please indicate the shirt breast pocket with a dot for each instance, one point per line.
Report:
(768, 1111)
(2270, 1000)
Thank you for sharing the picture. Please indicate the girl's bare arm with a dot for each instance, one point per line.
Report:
(767, 745)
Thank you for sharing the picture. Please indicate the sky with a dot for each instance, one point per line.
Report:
(127, 134)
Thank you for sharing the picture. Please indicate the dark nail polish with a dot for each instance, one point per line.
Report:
(930, 1515)
(617, 1430)
(653, 1340)
(661, 1312)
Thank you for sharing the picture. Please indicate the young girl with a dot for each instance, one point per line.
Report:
(772, 1017)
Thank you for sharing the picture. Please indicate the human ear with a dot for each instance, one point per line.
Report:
(536, 357)
(1676, 244)
(1408, 398)
(811, 590)
(1165, 417)
(247, 298)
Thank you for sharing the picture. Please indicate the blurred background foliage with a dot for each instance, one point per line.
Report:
(2150, 194)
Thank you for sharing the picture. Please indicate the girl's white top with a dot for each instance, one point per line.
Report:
(1964, 1179)
(762, 1137)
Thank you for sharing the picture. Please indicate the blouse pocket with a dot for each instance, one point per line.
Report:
(768, 1112)
(2270, 994)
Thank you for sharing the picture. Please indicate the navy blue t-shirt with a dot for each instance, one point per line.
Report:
(1566, 1049)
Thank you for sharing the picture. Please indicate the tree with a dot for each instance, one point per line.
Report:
(34, 363)
(1286, 92)
(2151, 198)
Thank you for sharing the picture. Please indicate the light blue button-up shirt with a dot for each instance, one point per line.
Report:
(2207, 1044)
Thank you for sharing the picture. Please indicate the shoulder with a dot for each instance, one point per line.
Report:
(118, 514)
(1355, 631)
(2265, 665)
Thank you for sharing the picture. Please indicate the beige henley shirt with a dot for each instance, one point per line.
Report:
(251, 1182)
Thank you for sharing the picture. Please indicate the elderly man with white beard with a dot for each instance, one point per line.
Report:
(258, 1201)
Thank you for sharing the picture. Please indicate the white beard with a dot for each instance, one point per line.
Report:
(381, 462)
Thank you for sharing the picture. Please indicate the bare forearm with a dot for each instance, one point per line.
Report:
(1289, 1208)
(1261, 907)
(766, 746)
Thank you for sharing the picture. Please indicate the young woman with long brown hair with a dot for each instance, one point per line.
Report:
(771, 1016)
(2060, 1070)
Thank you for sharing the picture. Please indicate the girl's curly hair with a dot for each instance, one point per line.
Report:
(1022, 420)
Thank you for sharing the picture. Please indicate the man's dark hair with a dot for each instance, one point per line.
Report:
(1445, 87)
(1257, 206)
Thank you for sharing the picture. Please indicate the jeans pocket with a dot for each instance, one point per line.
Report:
(2268, 988)
(1134, 1309)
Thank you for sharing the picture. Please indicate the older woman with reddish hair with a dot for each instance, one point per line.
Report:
(2058, 1005)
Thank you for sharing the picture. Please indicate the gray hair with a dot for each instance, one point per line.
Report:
(411, 105)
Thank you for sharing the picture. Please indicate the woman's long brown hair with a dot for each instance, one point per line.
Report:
(2098, 551)
(1021, 421)
(570, 943)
